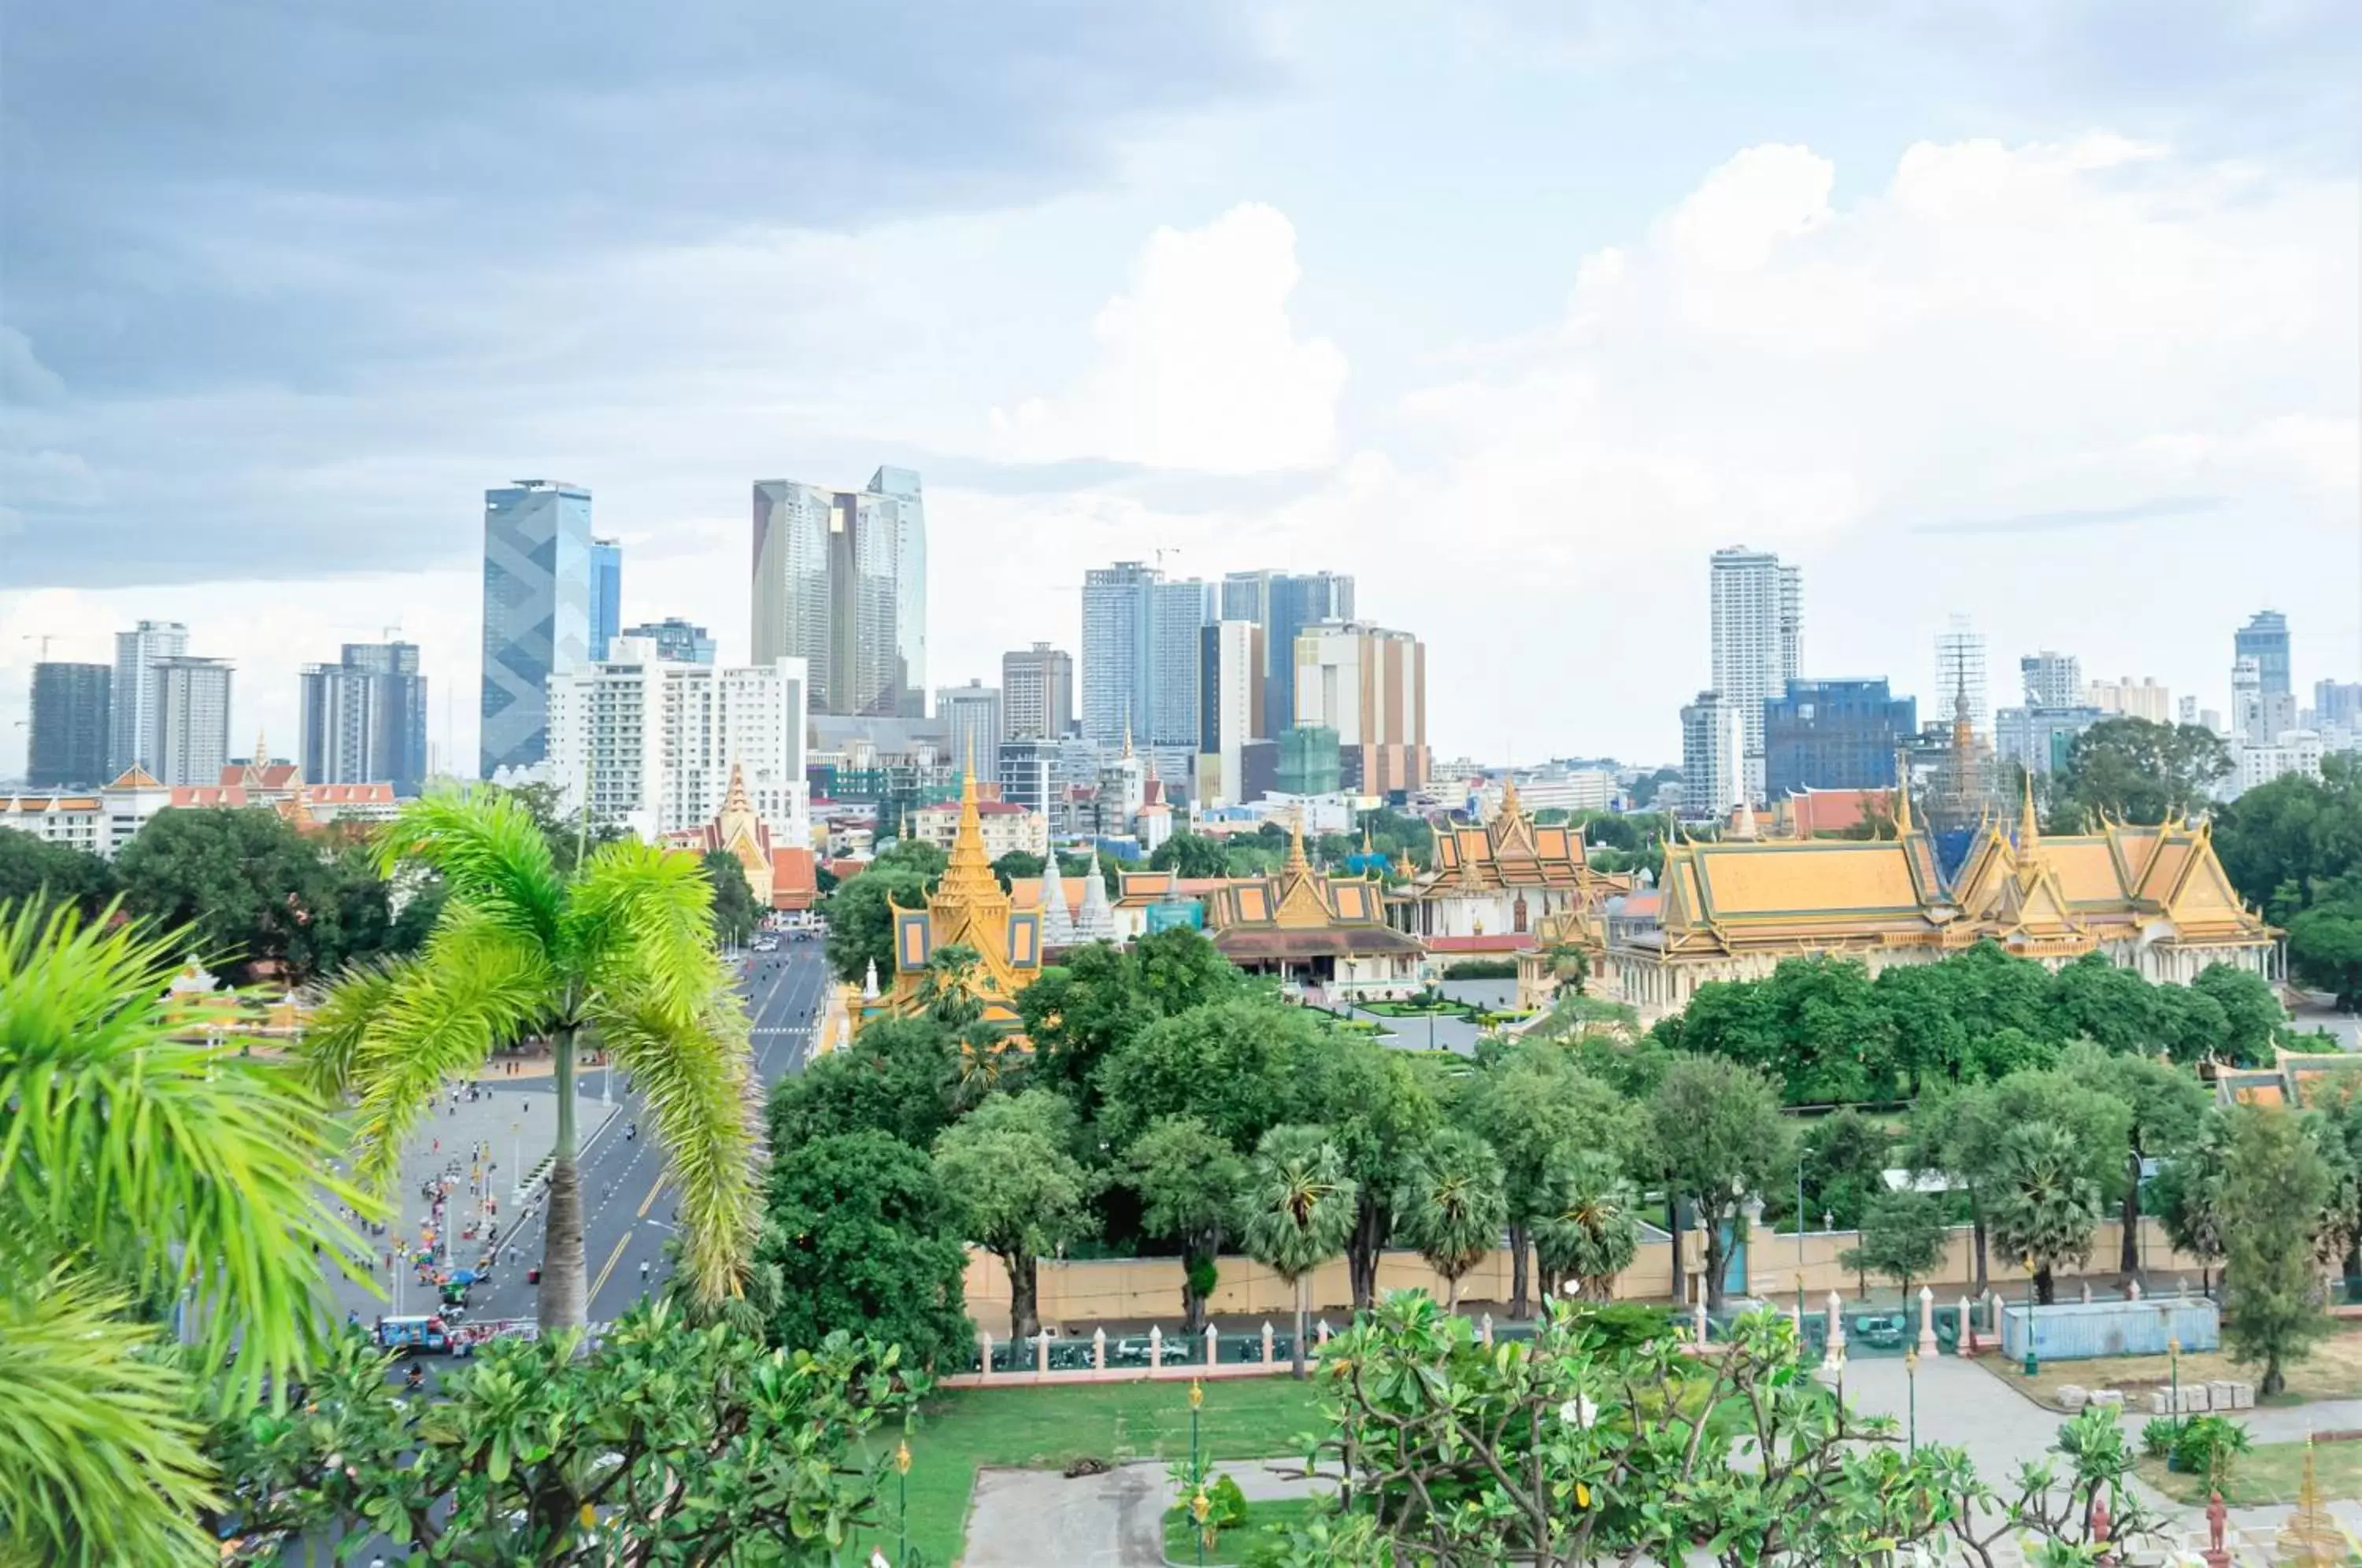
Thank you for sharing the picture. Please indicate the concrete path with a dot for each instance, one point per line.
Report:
(1024, 1518)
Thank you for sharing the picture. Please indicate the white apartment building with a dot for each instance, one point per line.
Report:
(2142, 698)
(1756, 606)
(1558, 789)
(649, 743)
(1231, 686)
(2293, 751)
(1369, 684)
(1006, 827)
(190, 742)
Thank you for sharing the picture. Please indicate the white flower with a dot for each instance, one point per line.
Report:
(1578, 1412)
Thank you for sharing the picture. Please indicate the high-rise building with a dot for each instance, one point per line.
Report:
(1834, 735)
(1309, 761)
(606, 595)
(2338, 704)
(2249, 723)
(2039, 739)
(537, 621)
(1369, 685)
(1119, 650)
(1183, 609)
(1758, 632)
(2265, 638)
(365, 718)
(132, 693)
(191, 744)
(677, 641)
(71, 729)
(840, 582)
(1284, 604)
(1230, 686)
(649, 743)
(2052, 679)
(2130, 699)
(971, 718)
(1037, 692)
(1029, 776)
(1710, 768)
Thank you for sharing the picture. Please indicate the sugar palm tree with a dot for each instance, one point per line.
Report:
(1297, 1213)
(619, 950)
(1588, 1231)
(146, 1162)
(2046, 1206)
(1451, 1206)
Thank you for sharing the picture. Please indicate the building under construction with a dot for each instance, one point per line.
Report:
(1965, 786)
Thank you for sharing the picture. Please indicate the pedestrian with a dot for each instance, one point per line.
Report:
(644, 1271)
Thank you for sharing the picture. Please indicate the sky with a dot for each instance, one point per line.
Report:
(2042, 312)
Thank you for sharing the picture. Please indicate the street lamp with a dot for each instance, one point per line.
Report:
(1911, 1381)
(1197, 1506)
(902, 1497)
(2033, 1300)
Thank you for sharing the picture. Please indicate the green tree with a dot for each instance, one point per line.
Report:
(734, 912)
(33, 868)
(1016, 864)
(256, 895)
(896, 1076)
(1017, 1189)
(1589, 1228)
(861, 919)
(139, 1160)
(2252, 1014)
(911, 855)
(1190, 855)
(621, 950)
(570, 835)
(1298, 1211)
(1532, 1104)
(1377, 1105)
(1956, 1132)
(2164, 1108)
(1236, 1065)
(1450, 1206)
(1103, 995)
(2325, 949)
(685, 1444)
(1845, 1158)
(951, 987)
(2044, 1203)
(1190, 1183)
(1815, 1025)
(2133, 771)
(2288, 844)
(1720, 1139)
(2275, 1184)
(2187, 1195)
(864, 1239)
(2095, 999)
(1902, 1239)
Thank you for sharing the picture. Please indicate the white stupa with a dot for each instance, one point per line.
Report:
(1095, 920)
(1057, 920)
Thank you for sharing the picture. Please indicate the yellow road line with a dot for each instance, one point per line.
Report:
(613, 1259)
(649, 1201)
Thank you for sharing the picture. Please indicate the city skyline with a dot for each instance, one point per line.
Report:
(1908, 339)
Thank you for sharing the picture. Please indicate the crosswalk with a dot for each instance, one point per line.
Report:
(782, 1029)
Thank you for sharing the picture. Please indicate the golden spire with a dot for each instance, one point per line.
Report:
(1297, 865)
(967, 874)
(1127, 729)
(1366, 848)
(1902, 795)
(1510, 809)
(734, 799)
(2029, 832)
(261, 750)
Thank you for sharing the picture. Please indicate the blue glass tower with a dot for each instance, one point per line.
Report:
(606, 595)
(537, 580)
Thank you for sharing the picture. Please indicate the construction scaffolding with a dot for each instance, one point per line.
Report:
(1966, 787)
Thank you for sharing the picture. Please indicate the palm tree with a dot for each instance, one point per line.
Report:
(2044, 1203)
(620, 949)
(146, 1162)
(1297, 1213)
(1587, 1231)
(1451, 1204)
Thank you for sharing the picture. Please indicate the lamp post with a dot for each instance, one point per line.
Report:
(1911, 1382)
(902, 1498)
(1198, 1504)
(2033, 1300)
(2173, 1354)
(1838, 1360)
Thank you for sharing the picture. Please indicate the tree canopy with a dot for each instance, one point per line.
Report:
(2133, 771)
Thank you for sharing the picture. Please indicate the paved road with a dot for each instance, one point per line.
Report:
(627, 1205)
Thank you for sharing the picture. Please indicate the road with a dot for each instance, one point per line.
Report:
(627, 1205)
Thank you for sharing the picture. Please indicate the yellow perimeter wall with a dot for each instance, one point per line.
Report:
(1114, 1290)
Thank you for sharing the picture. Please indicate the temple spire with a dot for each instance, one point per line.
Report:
(2029, 832)
(967, 875)
(1902, 795)
(1297, 865)
(1510, 808)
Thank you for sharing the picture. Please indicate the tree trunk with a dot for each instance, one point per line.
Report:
(2045, 1288)
(2128, 1252)
(1517, 1272)
(1024, 1318)
(1362, 1251)
(1303, 1311)
(1193, 1305)
(1976, 1231)
(1712, 1265)
(2274, 1382)
(564, 1301)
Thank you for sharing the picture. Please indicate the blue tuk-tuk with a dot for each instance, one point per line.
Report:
(414, 1334)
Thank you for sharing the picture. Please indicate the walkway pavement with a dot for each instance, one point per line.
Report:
(1022, 1518)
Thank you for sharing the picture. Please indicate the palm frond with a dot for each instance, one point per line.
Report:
(697, 1083)
(477, 985)
(641, 920)
(100, 1461)
(335, 1030)
(129, 1138)
(492, 857)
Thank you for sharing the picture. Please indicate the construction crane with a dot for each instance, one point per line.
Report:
(45, 639)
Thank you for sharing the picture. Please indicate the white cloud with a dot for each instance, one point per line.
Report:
(1199, 365)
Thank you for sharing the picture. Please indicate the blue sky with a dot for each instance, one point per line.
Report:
(2037, 311)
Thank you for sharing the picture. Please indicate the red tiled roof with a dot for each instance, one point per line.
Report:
(795, 882)
(350, 794)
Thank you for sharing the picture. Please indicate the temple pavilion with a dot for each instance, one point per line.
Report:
(967, 907)
(1327, 934)
(1494, 885)
(2154, 899)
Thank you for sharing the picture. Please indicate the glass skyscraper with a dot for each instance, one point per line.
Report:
(365, 718)
(537, 617)
(1834, 735)
(67, 749)
(2264, 639)
(606, 595)
(840, 582)
(1284, 604)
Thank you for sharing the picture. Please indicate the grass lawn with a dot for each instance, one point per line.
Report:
(1233, 1545)
(2271, 1473)
(1047, 1427)
(1413, 1009)
(2333, 1370)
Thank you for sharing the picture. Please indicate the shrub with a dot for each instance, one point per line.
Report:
(1482, 969)
(2156, 1437)
(2206, 1447)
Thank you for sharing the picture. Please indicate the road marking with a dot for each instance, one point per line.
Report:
(651, 1198)
(613, 1259)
